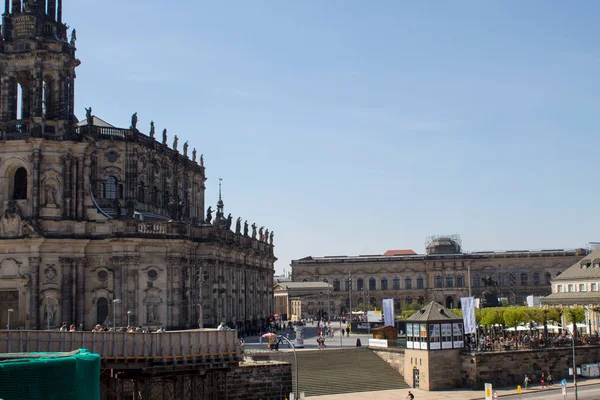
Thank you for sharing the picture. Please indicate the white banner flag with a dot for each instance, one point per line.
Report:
(388, 312)
(468, 312)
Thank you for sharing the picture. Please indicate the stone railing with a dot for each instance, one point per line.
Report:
(201, 346)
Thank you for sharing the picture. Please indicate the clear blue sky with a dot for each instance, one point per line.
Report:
(354, 127)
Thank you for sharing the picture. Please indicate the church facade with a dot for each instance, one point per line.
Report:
(103, 225)
(443, 274)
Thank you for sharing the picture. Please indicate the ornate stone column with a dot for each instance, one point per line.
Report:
(35, 192)
(34, 295)
(80, 188)
(80, 295)
(117, 287)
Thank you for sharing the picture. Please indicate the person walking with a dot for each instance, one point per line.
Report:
(410, 396)
(526, 381)
(549, 379)
(543, 381)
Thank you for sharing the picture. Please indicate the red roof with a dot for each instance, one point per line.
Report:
(408, 252)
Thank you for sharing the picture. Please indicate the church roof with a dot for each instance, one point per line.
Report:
(433, 312)
(97, 122)
(587, 268)
(407, 252)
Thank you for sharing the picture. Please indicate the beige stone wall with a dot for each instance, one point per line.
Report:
(394, 357)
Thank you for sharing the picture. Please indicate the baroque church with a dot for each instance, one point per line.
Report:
(103, 225)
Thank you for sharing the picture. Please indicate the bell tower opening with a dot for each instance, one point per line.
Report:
(20, 184)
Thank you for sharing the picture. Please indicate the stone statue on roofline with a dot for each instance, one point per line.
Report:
(185, 149)
(194, 155)
(271, 238)
(229, 221)
(152, 129)
(245, 228)
(88, 116)
(134, 119)
(175, 141)
(209, 215)
(266, 238)
(254, 230)
(164, 136)
(238, 225)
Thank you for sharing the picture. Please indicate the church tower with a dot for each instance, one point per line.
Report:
(37, 71)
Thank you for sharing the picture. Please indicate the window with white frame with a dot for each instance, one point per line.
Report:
(582, 287)
(559, 288)
(594, 287)
(571, 288)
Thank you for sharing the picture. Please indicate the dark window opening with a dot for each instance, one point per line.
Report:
(109, 188)
(20, 184)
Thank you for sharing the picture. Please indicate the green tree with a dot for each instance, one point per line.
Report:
(576, 315)
(515, 316)
(492, 316)
(544, 315)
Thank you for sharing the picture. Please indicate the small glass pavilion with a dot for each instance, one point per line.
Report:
(434, 327)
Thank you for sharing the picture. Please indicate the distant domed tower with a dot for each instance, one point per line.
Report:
(444, 245)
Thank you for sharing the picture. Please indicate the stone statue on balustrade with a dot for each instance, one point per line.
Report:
(185, 149)
(266, 238)
(209, 212)
(245, 228)
(271, 238)
(89, 117)
(152, 129)
(194, 155)
(134, 120)
(254, 230)
(164, 136)
(229, 221)
(175, 141)
(238, 225)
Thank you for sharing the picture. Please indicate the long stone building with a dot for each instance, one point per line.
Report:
(440, 275)
(102, 224)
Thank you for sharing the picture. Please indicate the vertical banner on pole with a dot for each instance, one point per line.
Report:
(468, 312)
(388, 312)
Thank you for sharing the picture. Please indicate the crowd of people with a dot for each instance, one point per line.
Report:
(525, 341)
(129, 329)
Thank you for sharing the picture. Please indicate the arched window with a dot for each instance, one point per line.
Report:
(372, 284)
(396, 283)
(20, 184)
(360, 284)
(421, 300)
(459, 281)
(438, 282)
(102, 311)
(536, 278)
(449, 281)
(373, 302)
(336, 285)
(524, 279)
(384, 284)
(476, 281)
(397, 304)
(408, 282)
(548, 278)
(408, 300)
(110, 188)
(348, 284)
(420, 282)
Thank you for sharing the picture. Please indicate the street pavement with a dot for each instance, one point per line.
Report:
(588, 389)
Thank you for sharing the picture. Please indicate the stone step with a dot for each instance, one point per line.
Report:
(344, 371)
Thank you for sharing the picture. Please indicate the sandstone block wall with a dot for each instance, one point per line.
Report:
(394, 357)
(504, 369)
(260, 381)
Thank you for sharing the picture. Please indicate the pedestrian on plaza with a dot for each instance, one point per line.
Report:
(348, 331)
(410, 396)
(549, 379)
(526, 381)
(543, 381)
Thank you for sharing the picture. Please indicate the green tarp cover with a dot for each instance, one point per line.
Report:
(50, 376)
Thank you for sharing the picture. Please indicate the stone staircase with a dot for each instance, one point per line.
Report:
(339, 371)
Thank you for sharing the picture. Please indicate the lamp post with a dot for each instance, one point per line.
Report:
(349, 323)
(128, 318)
(48, 310)
(10, 311)
(295, 362)
(115, 302)
(574, 367)
(328, 305)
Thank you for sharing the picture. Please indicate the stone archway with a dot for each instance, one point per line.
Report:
(450, 302)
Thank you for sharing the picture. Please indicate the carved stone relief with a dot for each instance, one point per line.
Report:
(50, 275)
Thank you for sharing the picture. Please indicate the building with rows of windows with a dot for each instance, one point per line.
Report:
(441, 274)
(101, 224)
